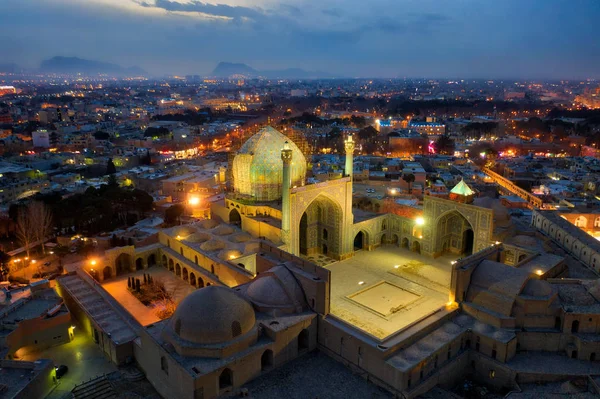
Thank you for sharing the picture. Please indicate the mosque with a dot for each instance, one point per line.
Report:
(284, 267)
(271, 200)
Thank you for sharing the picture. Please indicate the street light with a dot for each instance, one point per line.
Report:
(420, 221)
(93, 262)
(194, 200)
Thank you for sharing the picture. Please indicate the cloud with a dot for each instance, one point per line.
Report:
(221, 11)
(467, 38)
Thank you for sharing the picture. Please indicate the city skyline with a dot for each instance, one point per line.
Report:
(344, 38)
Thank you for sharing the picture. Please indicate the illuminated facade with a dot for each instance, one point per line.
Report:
(257, 167)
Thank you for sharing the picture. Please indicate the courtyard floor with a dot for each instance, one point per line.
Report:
(385, 290)
(82, 356)
(145, 315)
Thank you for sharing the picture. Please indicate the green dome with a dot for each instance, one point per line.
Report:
(258, 169)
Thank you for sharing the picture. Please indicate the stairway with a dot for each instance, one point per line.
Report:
(98, 388)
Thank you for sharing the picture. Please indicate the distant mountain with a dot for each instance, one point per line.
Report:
(228, 69)
(73, 65)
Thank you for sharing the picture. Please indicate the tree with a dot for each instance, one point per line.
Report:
(112, 181)
(25, 229)
(146, 159)
(444, 145)
(111, 169)
(100, 135)
(409, 178)
(368, 133)
(4, 262)
(61, 251)
(53, 139)
(173, 213)
(41, 221)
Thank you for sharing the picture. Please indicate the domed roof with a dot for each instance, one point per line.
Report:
(212, 315)
(537, 288)
(276, 288)
(258, 169)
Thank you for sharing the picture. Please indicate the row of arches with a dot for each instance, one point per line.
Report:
(226, 376)
(124, 265)
(183, 273)
(361, 241)
(562, 232)
(582, 221)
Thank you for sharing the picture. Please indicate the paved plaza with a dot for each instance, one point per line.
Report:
(84, 358)
(145, 315)
(383, 291)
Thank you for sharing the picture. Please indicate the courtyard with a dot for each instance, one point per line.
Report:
(82, 355)
(383, 291)
(145, 315)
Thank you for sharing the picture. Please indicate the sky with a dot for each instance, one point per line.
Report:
(539, 39)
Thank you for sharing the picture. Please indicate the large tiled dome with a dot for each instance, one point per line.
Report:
(258, 169)
(212, 315)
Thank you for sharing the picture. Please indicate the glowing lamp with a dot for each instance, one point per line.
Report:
(420, 221)
(539, 272)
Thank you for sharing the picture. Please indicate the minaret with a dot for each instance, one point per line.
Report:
(286, 157)
(349, 145)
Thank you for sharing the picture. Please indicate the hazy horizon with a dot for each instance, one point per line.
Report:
(466, 39)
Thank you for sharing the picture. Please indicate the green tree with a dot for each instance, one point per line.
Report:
(173, 213)
(444, 145)
(111, 169)
(4, 261)
(53, 139)
(100, 135)
(112, 181)
(368, 133)
(409, 178)
(60, 251)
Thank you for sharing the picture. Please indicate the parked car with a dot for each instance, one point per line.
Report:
(61, 370)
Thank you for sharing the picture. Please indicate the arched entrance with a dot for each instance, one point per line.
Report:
(171, 265)
(200, 282)
(151, 260)
(193, 279)
(164, 261)
(185, 274)
(107, 272)
(303, 340)
(454, 235)
(575, 326)
(178, 270)
(468, 238)
(266, 360)
(123, 264)
(416, 247)
(304, 234)
(404, 243)
(139, 264)
(320, 228)
(226, 379)
(235, 218)
(395, 239)
(360, 241)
